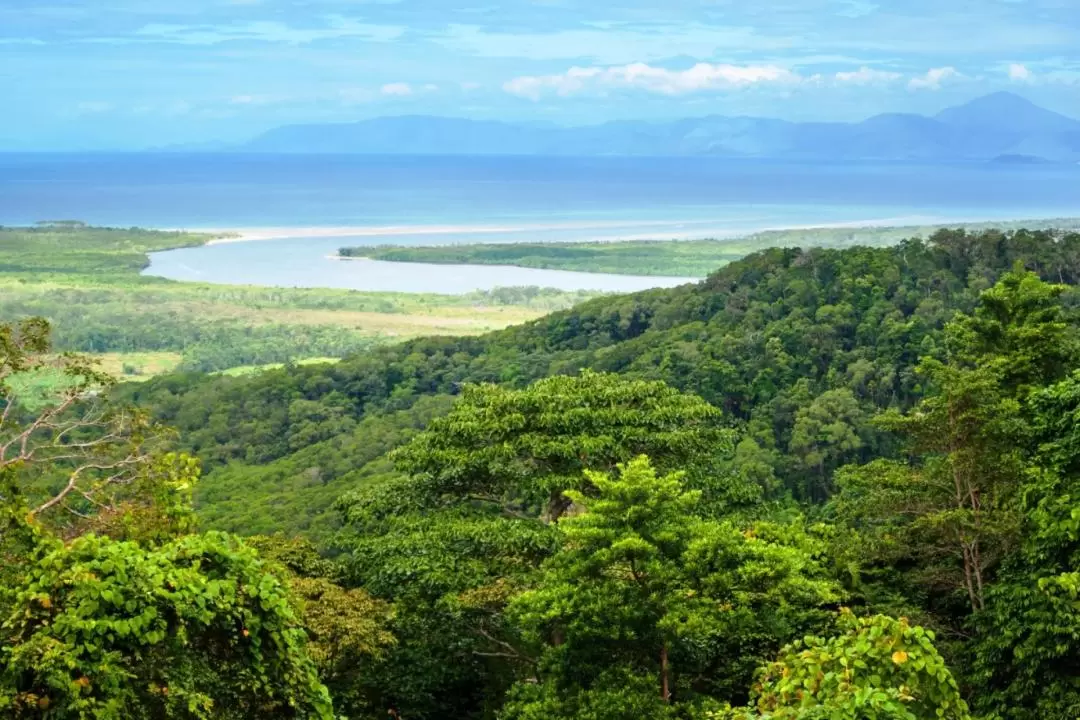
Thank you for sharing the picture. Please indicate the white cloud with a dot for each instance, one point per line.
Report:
(867, 76)
(469, 86)
(934, 78)
(641, 76)
(1020, 72)
(398, 89)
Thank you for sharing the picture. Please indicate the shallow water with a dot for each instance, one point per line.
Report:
(308, 262)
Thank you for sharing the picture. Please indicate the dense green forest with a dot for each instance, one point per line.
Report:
(86, 281)
(674, 258)
(823, 483)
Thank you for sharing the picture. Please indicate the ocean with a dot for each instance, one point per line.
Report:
(197, 191)
(437, 200)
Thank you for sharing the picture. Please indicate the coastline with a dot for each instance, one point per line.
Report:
(254, 234)
(658, 230)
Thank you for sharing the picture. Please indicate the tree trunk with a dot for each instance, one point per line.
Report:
(557, 505)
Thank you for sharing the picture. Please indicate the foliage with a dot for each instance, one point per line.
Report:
(523, 449)
(764, 340)
(678, 258)
(880, 668)
(896, 375)
(196, 628)
(74, 450)
(1025, 651)
(1018, 329)
(644, 587)
(144, 620)
(299, 491)
(955, 514)
(348, 629)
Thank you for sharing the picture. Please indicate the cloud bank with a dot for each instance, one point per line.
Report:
(704, 77)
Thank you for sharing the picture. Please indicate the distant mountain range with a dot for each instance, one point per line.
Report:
(1002, 127)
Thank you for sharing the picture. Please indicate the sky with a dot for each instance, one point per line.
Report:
(130, 74)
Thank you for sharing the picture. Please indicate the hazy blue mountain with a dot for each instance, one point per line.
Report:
(985, 129)
(1008, 112)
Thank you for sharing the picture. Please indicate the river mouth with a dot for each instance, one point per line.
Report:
(312, 262)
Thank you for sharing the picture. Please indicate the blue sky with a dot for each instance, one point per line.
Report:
(103, 74)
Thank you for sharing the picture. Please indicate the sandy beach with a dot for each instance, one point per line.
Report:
(231, 235)
(660, 229)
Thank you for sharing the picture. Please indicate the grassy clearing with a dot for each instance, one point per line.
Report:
(253, 369)
(138, 366)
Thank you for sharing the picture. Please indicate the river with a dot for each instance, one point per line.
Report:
(310, 262)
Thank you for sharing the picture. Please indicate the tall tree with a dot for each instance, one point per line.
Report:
(644, 587)
(523, 449)
(954, 509)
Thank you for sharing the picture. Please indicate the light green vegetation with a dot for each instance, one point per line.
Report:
(136, 366)
(86, 282)
(241, 370)
(675, 258)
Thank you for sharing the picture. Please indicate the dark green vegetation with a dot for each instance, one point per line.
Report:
(680, 258)
(821, 484)
(86, 281)
(675, 258)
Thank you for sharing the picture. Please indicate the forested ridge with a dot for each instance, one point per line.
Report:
(799, 348)
(820, 484)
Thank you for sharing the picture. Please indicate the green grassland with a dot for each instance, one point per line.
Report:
(675, 258)
(87, 282)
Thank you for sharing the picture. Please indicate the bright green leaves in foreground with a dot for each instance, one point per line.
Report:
(144, 620)
(197, 628)
(652, 604)
(879, 668)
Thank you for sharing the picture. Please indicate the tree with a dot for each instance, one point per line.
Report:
(953, 513)
(72, 450)
(134, 617)
(1025, 651)
(955, 509)
(196, 628)
(523, 449)
(644, 588)
(879, 668)
(449, 573)
(826, 433)
(1018, 330)
(348, 629)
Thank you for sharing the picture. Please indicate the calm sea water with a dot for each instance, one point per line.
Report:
(528, 198)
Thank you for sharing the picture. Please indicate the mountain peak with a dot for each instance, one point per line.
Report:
(999, 125)
(1002, 110)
